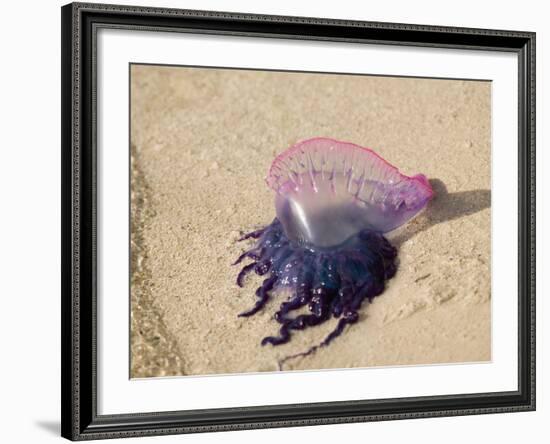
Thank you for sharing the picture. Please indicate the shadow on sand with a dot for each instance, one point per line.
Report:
(444, 207)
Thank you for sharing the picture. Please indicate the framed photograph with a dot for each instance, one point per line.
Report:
(278, 221)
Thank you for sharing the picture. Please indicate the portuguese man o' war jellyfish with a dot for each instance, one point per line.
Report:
(334, 202)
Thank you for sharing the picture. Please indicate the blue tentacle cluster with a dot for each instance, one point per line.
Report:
(331, 282)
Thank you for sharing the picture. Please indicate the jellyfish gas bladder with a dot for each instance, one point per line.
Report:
(334, 202)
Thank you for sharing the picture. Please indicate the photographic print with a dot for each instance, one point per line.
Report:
(288, 221)
(275, 221)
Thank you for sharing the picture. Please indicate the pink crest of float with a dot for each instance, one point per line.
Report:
(328, 190)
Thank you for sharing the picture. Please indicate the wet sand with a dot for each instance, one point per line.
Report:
(202, 142)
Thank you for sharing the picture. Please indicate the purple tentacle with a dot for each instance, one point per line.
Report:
(283, 338)
(262, 292)
(349, 318)
(245, 270)
(253, 234)
(252, 254)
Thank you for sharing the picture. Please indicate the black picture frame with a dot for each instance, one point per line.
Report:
(78, 332)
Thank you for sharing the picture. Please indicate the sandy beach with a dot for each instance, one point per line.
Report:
(202, 142)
